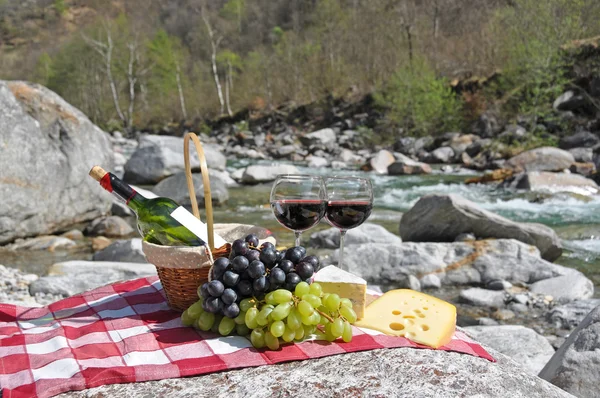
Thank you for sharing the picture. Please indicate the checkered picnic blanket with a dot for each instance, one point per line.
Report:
(125, 332)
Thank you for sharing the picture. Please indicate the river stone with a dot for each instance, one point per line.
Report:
(349, 157)
(531, 350)
(406, 166)
(112, 227)
(431, 281)
(324, 137)
(129, 251)
(482, 297)
(401, 372)
(566, 288)
(583, 155)
(158, 157)
(582, 139)
(444, 154)
(47, 150)
(441, 218)
(456, 263)
(365, 233)
(285, 151)
(542, 159)
(49, 243)
(380, 162)
(317, 162)
(224, 176)
(557, 182)
(459, 144)
(175, 187)
(73, 277)
(575, 367)
(570, 315)
(260, 173)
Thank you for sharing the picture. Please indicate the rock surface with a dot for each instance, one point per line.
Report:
(72, 277)
(129, 251)
(365, 233)
(406, 166)
(542, 159)
(158, 157)
(175, 187)
(257, 174)
(531, 350)
(112, 226)
(557, 182)
(569, 316)
(441, 218)
(582, 139)
(48, 147)
(575, 367)
(49, 243)
(482, 297)
(459, 263)
(379, 373)
(381, 161)
(566, 288)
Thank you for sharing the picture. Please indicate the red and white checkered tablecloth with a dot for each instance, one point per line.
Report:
(125, 333)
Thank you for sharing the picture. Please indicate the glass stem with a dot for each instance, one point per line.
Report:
(297, 237)
(341, 258)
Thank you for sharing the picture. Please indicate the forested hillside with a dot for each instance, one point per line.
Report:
(143, 63)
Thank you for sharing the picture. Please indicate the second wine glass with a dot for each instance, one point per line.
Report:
(349, 204)
(298, 202)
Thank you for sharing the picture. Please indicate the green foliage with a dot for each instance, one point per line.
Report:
(60, 7)
(234, 9)
(532, 35)
(166, 54)
(44, 69)
(419, 101)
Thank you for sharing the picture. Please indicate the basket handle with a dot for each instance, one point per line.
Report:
(205, 180)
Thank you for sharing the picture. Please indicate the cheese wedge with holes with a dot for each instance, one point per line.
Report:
(346, 285)
(419, 317)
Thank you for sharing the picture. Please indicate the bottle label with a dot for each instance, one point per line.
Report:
(197, 227)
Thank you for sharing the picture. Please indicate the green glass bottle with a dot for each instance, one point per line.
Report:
(155, 222)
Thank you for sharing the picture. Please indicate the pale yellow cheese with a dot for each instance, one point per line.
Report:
(344, 284)
(419, 317)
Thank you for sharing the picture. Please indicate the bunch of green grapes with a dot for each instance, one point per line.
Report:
(282, 315)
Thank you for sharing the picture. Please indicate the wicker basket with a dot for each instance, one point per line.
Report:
(182, 269)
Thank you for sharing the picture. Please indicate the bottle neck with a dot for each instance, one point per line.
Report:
(132, 198)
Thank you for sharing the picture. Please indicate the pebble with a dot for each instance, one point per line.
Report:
(100, 242)
(499, 284)
(14, 289)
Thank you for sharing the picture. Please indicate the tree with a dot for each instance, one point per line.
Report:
(215, 40)
(231, 63)
(167, 55)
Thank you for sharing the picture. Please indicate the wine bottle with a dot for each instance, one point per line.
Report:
(160, 220)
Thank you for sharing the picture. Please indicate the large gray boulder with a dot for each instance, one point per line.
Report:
(441, 218)
(260, 173)
(324, 137)
(406, 166)
(531, 350)
(482, 297)
(461, 263)
(575, 367)
(380, 162)
(365, 233)
(542, 159)
(583, 155)
(565, 288)
(556, 182)
(175, 187)
(570, 315)
(582, 139)
(402, 372)
(73, 277)
(47, 149)
(129, 251)
(158, 157)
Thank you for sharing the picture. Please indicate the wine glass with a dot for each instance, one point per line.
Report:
(349, 204)
(298, 202)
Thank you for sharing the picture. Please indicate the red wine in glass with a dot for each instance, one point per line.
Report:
(348, 214)
(300, 214)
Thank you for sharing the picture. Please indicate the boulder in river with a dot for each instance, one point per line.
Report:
(406, 166)
(324, 137)
(531, 350)
(50, 243)
(565, 288)
(583, 155)
(482, 297)
(129, 251)
(556, 182)
(443, 154)
(541, 159)
(365, 233)
(380, 161)
(441, 218)
(462, 263)
(158, 157)
(112, 226)
(260, 173)
(401, 372)
(570, 315)
(73, 277)
(575, 366)
(175, 187)
(47, 150)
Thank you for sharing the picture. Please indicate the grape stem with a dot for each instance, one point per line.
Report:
(330, 319)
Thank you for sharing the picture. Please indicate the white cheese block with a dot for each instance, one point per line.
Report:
(346, 285)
